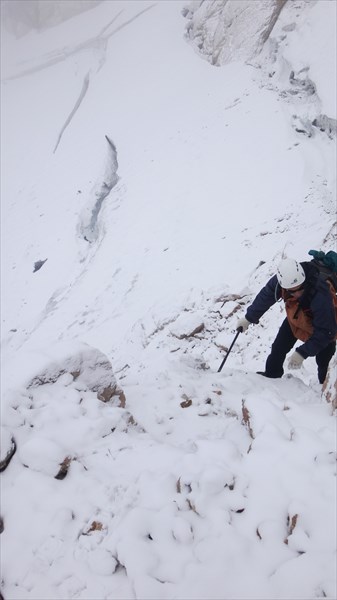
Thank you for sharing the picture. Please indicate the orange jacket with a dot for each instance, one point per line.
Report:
(301, 324)
(300, 321)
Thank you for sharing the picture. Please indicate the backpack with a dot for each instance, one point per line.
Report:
(326, 265)
(325, 270)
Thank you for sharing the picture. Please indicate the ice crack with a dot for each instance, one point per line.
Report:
(89, 227)
(77, 105)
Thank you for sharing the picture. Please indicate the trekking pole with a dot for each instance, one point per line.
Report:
(240, 330)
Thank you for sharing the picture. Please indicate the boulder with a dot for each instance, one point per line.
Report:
(88, 367)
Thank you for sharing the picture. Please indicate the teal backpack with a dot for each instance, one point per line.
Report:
(326, 264)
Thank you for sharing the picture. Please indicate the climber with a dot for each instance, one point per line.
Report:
(311, 317)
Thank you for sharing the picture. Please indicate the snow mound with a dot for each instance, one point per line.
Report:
(75, 362)
(71, 379)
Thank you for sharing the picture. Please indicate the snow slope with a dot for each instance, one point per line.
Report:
(146, 197)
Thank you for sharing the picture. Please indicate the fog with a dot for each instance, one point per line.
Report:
(21, 16)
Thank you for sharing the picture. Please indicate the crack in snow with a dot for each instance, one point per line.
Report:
(74, 110)
(90, 231)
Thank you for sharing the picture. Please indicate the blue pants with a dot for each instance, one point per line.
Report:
(283, 343)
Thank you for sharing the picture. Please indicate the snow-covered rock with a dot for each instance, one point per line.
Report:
(77, 362)
(329, 390)
(7, 447)
(226, 30)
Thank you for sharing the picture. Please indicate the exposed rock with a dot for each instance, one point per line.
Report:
(326, 124)
(110, 392)
(329, 389)
(191, 333)
(38, 264)
(301, 82)
(187, 325)
(95, 526)
(223, 30)
(302, 125)
(8, 448)
(186, 402)
(64, 467)
(228, 298)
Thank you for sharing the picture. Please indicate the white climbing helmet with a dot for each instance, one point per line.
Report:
(290, 273)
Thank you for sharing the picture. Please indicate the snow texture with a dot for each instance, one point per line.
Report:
(147, 195)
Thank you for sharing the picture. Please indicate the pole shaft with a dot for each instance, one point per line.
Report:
(231, 346)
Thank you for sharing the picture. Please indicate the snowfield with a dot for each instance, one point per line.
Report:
(148, 192)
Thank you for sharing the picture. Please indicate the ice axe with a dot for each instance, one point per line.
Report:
(239, 330)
